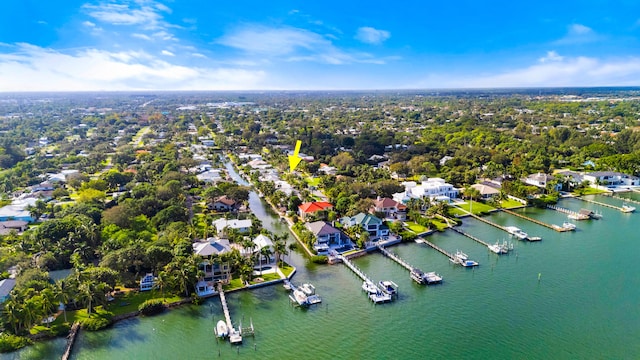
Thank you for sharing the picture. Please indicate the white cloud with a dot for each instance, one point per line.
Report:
(198, 55)
(163, 35)
(32, 68)
(141, 36)
(292, 44)
(371, 35)
(167, 53)
(144, 13)
(89, 24)
(562, 71)
(579, 34)
(551, 56)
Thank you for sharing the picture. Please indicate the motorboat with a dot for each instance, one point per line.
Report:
(369, 287)
(463, 259)
(628, 209)
(221, 329)
(389, 287)
(516, 232)
(433, 277)
(287, 285)
(308, 289)
(299, 297)
(568, 226)
(496, 248)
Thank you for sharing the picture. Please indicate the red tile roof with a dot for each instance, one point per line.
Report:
(312, 207)
(387, 203)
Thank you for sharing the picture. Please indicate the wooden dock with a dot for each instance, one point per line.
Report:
(556, 228)
(440, 250)
(621, 209)
(577, 215)
(403, 263)
(71, 338)
(469, 236)
(624, 199)
(380, 297)
(235, 336)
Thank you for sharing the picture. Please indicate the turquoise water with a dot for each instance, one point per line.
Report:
(585, 305)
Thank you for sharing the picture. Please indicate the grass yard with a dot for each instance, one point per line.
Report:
(510, 203)
(312, 181)
(286, 269)
(233, 284)
(439, 224)
(416, 228)
(477, 207)
(589, 191)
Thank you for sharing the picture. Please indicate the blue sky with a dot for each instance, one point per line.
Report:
(238, 45)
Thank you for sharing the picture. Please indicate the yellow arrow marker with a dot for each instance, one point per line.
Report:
(294, 159)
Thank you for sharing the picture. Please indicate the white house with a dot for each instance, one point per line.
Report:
(611, 179)
(541, 180)
(18, 210)
(147, 282)
(242, 226)
(432, 188)
(213, 272)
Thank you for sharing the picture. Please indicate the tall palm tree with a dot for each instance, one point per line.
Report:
(266, 252)
(280, 248)
(160, 282)
(12, 311)
(62, 295)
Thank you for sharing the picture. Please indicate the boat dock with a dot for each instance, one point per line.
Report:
(440, 250)
(556, 227)
(469, 236)
(235, 336)
(576, 215)
(379, 297)
(416, 274)
(602, 204)
(624, 199)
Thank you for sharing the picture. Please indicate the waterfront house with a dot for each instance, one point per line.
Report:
(486, 192)
(147, 282)
(541, 180)
(390, 208)
(327, 237)
(242, 226)
(6, 286)
(435, 189)
(224, 204)
(212, 271)
(373, 225)
(310, 208)
(611, 179)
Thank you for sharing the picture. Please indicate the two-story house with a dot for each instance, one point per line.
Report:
(374, 226)
(327, 236)
(390, 208)
(213, 271)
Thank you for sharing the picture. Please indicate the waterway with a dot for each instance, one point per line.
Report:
(573, 295)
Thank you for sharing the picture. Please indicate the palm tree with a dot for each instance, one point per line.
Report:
(160, 282)
(32, 311)
(12, 311)
(280, 248)
(61, 294)
(48, 302)
(266, 252)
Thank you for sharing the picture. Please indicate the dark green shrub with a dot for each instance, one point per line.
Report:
(151, 307)
(96, 323)
(10, 342)
(319, 259)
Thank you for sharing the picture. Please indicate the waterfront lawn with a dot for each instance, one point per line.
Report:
(510, 203)
(416, 228)
(588, 191)
(76, 315)
(132, 300)
(439, 224)
(478, 207)
(233, 285)
(265, 278)
(286, 269)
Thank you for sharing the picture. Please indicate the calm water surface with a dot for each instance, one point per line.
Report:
(585, 305)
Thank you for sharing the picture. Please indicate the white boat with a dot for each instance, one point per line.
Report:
(299, 297)
(287, 284)
(516, 232)
(221, 329)
(369, 287)
(628, 209)
(433, 278)
(308, 289)
(568, 226)
(496, 248)
(389, 287)
(463, 259)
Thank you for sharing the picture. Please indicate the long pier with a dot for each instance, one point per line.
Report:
(601, 204)
(568, 212)
(234, 336)
(469, 236)
(556, 228)
(403, 263)
(624, 199)
(380, 296)
(488, 222)
(440, 250)
(355, 269)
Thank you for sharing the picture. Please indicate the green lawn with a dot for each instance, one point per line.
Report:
(477, 207)
(439, 224)
(589, 191)
(266, 277)
(312, 181)
(416, 228)
(510, 203)
(286, 269)
(233, 284)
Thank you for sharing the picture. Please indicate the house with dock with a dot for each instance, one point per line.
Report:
(541, 180)
(610, 179)
(327, 237)
(390, 208)
(212, 271)
(371, 224)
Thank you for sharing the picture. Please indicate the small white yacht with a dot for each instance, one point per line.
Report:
(369, 287)
(516, 232)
